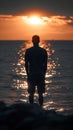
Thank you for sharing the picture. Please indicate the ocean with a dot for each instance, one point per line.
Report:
(59, 75)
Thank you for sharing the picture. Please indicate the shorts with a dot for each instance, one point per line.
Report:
(36, 81)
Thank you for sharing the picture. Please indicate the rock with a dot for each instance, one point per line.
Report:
(20, 116)
(27, 123)
(42, 128)
(2, 106)
(4, 127)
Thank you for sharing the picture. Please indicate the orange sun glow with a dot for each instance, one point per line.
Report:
(35, 20)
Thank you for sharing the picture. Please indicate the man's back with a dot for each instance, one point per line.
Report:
(37, 59)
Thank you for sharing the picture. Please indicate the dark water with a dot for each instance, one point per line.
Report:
(59, 76)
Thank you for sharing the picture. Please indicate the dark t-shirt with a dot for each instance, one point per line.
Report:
(36, 61)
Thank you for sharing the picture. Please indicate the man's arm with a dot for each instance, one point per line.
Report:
(26, 62)
(45, 62)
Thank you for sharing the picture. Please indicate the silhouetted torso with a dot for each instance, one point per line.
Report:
(35, 60)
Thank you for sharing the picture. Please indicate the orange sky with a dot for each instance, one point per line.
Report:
(52, 27)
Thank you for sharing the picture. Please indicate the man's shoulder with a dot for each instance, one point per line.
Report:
(29, 49)
(43, 49)
(39, 49)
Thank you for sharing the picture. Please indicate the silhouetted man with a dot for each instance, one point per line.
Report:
(36, 66)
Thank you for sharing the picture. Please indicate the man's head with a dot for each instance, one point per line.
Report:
(35, 39)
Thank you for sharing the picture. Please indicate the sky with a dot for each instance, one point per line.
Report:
(53, 19)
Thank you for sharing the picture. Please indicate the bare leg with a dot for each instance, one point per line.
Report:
(31, 98)
(40, 99)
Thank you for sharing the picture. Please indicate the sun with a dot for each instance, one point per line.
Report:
(34, 20)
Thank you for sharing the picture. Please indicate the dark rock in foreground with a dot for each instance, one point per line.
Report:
(22, 116)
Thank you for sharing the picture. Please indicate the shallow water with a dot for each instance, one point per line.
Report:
(59, 76)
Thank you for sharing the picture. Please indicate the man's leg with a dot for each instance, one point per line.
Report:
(41, 88)
(31, 98)
(31, 91)
(41, 99)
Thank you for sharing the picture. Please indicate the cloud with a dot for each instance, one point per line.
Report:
(56, 20)
(9, 17)
(71, 17)
(5, 17)
(70, 22)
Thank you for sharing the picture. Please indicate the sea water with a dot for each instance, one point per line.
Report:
(59, 75)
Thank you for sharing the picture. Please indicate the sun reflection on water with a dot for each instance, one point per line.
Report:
(20, 78)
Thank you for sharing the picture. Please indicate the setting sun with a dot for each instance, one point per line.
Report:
(35, 20)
